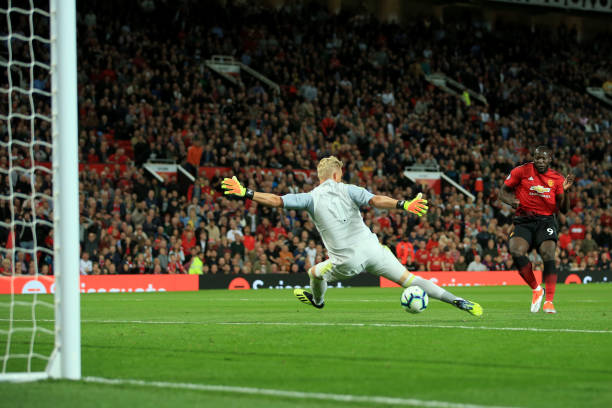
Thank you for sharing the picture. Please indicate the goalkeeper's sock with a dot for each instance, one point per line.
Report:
(434, 290)
(550, 278)
(318, 286)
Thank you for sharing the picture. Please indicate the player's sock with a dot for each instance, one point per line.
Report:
(550, 278)
(318, 286)
(434, 290)
(526, 271)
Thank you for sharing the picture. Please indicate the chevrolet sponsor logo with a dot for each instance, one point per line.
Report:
(540, 189)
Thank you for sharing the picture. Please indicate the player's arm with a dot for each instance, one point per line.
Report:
(361, 197)
(233, 187)
(290, 201)
(563, 198)
(268, 199)
(506, 195)
(417, 205)
(506, 192)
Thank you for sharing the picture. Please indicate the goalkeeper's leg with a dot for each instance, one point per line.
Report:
(318, 285)
(407, 279)
(387, 265)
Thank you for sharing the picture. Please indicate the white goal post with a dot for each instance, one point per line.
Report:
(64, 360)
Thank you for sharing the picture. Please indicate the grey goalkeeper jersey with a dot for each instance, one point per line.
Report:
(334, 209)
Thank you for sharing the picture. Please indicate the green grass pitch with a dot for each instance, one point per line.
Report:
(361, 346)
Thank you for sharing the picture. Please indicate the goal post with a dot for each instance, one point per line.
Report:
(66, 189)
(28, 104)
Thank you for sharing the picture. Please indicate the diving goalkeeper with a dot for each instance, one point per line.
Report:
(351, 246)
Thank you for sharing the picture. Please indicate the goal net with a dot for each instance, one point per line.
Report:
(39, 240)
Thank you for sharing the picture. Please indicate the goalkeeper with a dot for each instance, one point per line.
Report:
(351, 246)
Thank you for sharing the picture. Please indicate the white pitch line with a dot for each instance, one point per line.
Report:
(288, 394)
(415, 325)
(433, 326)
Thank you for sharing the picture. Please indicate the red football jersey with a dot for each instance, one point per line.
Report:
(577, 231)
(422, 255)
(536, 192)
(435, 262)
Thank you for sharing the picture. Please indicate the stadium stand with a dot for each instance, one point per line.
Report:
(349, 86)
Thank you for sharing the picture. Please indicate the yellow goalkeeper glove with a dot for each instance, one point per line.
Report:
(232, 186)
(416, 206)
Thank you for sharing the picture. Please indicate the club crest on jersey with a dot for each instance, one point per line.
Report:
(551, 183)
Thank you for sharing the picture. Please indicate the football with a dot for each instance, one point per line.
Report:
(414, 299)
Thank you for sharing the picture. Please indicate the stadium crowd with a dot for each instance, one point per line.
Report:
(351, 87)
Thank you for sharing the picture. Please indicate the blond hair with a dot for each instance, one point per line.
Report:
(327, 166)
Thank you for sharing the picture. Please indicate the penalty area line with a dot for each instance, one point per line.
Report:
(287, 394)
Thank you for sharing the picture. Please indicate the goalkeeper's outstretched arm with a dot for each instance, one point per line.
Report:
(383, 202)
(233, 187)
(416, 206)
(268, 199)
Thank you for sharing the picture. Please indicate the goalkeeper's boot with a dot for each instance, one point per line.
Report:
(536, 300)
(306, 297)
(548, 307)
(472, 308)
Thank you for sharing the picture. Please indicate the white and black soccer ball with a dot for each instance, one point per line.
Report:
(414, 299)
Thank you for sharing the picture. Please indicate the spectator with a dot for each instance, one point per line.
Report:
(476, 265)
(410, 265)
(262, 265)
(5, 267)
(249, 240)
(285, 257)
(460, 265)
(588, 244)
(602, 236)
(237, 247)
(196, 264)
(194, 155)
(157, 269)
(163, 259)
(403, 251)
(577, 230)
(214, 233)
(300, 257)
(311, 252)
(91, 244)
(605, 260)
(234, 231)
(422, 256)
(188, 239)
(203, 241)
(85, 265)
(436, 262)
(491, 250)
(489, 263)
(564, 238)
(175, 265)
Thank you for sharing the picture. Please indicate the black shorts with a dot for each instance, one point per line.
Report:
(535, 229)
